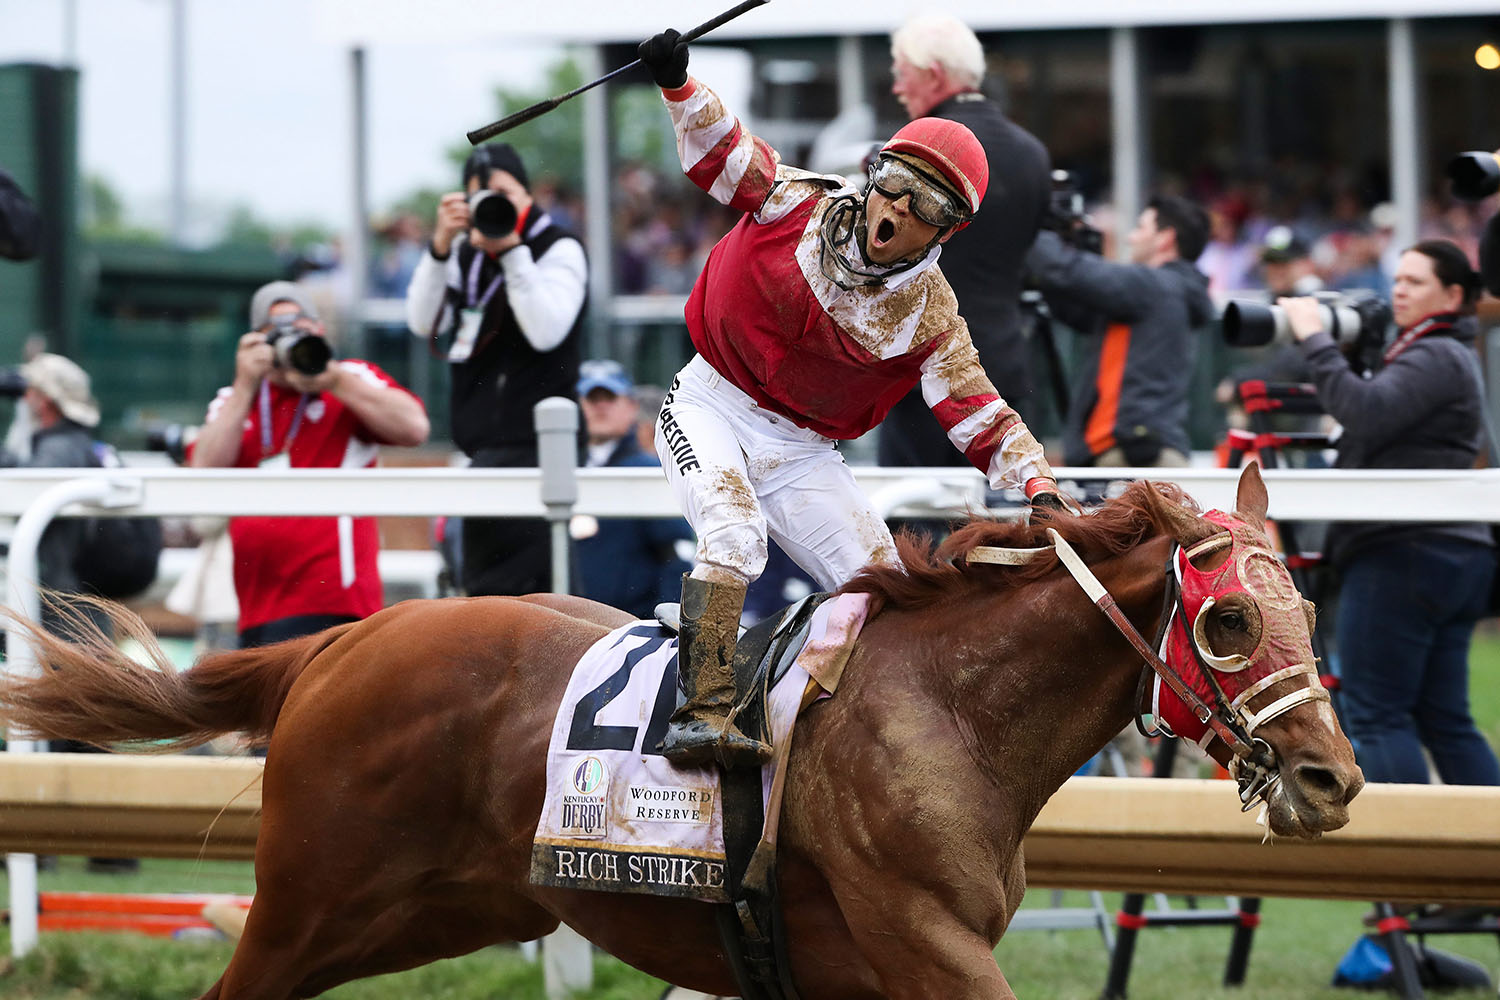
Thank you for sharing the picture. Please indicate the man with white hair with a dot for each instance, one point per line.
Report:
(937, 65)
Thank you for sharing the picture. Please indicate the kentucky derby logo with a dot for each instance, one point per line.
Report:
(585, 807)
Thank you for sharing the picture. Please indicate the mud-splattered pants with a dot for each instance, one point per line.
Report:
(741, 473)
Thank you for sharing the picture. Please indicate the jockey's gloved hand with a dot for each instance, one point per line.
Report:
(1045, 494)
(667, 58)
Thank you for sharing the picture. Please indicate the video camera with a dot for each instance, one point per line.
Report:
(1066, 216)
(1357, 320)
(297, 349)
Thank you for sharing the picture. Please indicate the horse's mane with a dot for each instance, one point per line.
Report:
(930, 574)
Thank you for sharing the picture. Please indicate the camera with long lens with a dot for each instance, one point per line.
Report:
(492, 214)
(1357, 320)
(299, 350)
(1474, 175)
(1066, 216)
(172, 439)
(12, 383)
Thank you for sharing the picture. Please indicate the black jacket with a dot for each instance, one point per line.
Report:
(982, 263)
(495, 389)
(1421, 410)
(1132, 389)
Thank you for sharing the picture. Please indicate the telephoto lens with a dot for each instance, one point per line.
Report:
(1474, 175)
(307, 353)
(492, 214)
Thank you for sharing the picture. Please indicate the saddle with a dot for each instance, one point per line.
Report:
(752, 926)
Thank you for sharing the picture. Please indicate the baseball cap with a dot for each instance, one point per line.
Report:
(1281, 244)
(267, 296)
(67, 385)
(609, 375)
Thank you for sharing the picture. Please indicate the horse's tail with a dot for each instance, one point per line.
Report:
(89, 690)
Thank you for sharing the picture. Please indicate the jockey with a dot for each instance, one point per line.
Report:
(818, 311)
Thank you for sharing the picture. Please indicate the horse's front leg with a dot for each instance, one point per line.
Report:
(920, 951)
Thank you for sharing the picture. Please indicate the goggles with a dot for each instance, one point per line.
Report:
(930, 202)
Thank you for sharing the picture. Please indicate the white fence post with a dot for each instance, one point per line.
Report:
(567, 959)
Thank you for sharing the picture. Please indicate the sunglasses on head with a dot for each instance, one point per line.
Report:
(931, 203)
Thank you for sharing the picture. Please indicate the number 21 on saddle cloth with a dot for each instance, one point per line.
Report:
(618, 817)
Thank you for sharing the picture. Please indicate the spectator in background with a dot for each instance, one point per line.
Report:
(60, 408)
(937, 65)
(628, 563)
(20, 222)
(295, 576)
(1130, 401)
(1229, 258)
(513, 305)
(401, 246)
(1411, 593)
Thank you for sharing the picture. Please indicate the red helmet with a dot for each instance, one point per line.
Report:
(951, 149)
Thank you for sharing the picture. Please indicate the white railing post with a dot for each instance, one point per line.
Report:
(567, 958)
(24, 597)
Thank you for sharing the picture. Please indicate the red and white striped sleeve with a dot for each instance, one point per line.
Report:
(718, 154)
(976, 419)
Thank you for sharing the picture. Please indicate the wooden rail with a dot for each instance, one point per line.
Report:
(1403, 843)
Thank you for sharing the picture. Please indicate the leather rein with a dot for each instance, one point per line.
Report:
(1230, 722)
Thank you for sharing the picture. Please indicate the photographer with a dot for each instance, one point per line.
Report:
(1130, 399)
(292, 406)
(937, 66)
(509, 286)
(1410, 593)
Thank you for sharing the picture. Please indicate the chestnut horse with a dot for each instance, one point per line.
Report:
(404, 776)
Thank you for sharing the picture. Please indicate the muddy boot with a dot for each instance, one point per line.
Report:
(700, 731)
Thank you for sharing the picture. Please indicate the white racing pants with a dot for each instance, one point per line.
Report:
(741, 473)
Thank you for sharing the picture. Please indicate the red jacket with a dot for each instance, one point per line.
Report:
(768, 318)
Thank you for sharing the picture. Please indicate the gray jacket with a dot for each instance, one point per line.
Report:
(1422, 410)
(1132, 389)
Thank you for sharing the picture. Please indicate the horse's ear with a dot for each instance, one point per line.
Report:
(1186, 526)
(1250, 500)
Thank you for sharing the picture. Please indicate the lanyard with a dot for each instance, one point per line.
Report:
(265, 422)
(475, 300)
(481, 302)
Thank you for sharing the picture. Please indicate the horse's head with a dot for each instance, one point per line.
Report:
(1240, 635)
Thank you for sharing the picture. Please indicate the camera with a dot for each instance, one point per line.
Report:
(12, 383)
(172, 439)
(296, 349)
(1357, 320)
(1066, 216)
(1474, 175)
(492, 214)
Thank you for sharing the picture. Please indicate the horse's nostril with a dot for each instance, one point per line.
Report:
(1320, 782)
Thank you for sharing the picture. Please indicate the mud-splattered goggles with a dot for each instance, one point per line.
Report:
(930, 202)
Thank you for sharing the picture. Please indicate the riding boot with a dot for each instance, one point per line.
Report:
(700, 731)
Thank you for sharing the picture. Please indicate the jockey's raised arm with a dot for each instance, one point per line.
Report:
(976, 419)
(718, 153)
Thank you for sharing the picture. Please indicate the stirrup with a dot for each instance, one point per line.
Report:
(699, 742)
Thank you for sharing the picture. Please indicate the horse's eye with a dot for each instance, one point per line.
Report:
(1232, 620)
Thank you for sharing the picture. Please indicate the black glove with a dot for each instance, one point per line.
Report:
(666, 58)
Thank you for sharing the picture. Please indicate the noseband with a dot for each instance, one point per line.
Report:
(1181, 660)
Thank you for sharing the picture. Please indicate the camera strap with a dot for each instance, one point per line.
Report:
(265, 422)
(1409, 336)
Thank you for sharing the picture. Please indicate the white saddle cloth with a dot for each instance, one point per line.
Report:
(618, 817)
